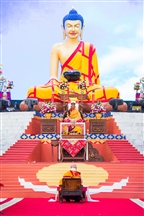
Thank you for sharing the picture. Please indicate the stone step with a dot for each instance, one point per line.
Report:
(13, 125)
(93, 175)
(132, 125)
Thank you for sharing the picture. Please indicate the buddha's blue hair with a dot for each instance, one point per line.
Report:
(73, 15)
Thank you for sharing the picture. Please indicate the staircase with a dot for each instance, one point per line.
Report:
(20, 151)
(12, 126)
(40, 174)
(124, 151)
(15, 163)
(132, 125)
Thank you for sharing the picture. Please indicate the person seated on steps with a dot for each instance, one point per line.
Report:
(72, 173)
(73, 114)
(73, 54)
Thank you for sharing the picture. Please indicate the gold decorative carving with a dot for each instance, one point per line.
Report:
(97, 126)
(78, 96)
(48, 126)
(93, 154)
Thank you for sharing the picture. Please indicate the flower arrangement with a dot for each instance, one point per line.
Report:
(82, 84)
(98, 107)
(10, 85)
(48, 107)
(63, 85)
(137, 86)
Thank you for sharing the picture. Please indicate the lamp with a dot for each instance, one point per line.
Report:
(31, 102)
(3, 104)
(138, 106)
(115, 102)
(130, 107)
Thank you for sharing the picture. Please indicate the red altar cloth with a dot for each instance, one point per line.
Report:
(73, 149)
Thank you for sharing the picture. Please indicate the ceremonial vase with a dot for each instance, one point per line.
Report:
(48, 115)
(98, 115)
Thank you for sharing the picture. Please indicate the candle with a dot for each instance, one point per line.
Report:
(84, 78)
(86, 151)
(93, 96)
(59, 156)
(68, 88)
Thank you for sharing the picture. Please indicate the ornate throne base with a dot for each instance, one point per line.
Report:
(66, 157)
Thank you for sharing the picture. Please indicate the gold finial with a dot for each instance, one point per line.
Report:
(72, 7)
(0, 65)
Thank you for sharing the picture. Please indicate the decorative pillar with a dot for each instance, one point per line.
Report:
(52, 96)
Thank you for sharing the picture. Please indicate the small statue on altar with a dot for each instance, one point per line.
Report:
(5, 87)
(2, 80)
(4, 92)
(141, 94)
(142, 88)
(139, 87)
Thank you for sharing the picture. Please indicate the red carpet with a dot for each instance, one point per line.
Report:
(105, 207)
(20, 151)
(124, 151)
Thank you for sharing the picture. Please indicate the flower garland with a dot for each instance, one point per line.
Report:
(63, 85)
(82, 84)
(10, 85)
(98, 107)
(137, 86)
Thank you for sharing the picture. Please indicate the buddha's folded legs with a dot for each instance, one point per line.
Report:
(47, 92)
(51, 92)
(102, 93)
(44, 93)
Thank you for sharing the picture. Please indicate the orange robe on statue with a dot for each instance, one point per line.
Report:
(83, 59)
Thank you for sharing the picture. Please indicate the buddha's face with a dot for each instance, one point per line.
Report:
(73, 28)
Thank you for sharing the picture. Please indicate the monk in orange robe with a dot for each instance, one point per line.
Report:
(72, 173)
(73, 114)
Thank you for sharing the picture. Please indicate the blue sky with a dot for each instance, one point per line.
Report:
(30, 28)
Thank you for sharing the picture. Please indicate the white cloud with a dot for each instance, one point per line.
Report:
(120, 58)
(126, 88)
(129, 55)
(121, 28)
(140, 31)
(139, 70)
(123, 65)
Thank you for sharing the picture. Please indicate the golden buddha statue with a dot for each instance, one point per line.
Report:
(73, 54)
